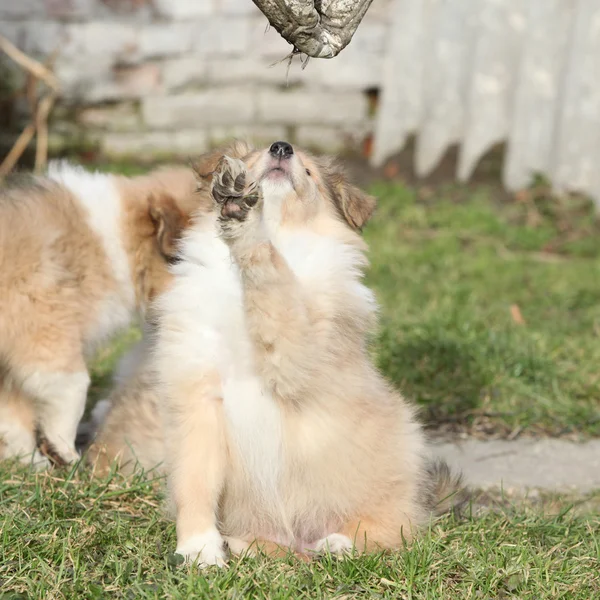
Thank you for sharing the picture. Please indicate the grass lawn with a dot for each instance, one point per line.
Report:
(490, 321)
(68, 536)
(490, 311)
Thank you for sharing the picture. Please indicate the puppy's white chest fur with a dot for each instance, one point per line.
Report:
(206, 307)
(206, 300)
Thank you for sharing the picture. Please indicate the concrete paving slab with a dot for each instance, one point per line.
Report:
(549, 464)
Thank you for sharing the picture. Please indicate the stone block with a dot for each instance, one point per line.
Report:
(22, 9)
(69, 9)
(302, 106)
(41, 38)
(101, 39)
(105, 82)
(249, 69)
(350, 70)
(150, 144)
(258, 135)
(79, 76)
(178, 73)
(329, 140)
(378, 11)
(138, 79)
(237, 8)
(157, 40)
(222, 35)
(13, 32)
(217, 106)
(113, 117)
(183, 9)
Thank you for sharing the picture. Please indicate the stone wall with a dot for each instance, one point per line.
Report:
(147, 77)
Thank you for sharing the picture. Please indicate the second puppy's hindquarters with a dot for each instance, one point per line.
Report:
(80, 254)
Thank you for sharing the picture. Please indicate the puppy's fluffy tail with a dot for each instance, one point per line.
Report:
(444, 489)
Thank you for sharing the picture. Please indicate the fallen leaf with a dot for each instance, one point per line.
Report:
(515, 313)
(368, 146)
(391, 170)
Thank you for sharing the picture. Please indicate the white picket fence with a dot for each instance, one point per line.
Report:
(479, 72)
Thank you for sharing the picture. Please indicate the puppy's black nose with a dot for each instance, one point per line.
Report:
(281, 150)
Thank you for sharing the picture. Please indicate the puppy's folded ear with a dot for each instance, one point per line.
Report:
(354, 205)
(169, 222)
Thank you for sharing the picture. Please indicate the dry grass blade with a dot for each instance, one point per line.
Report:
(41, 119)
(19, 147)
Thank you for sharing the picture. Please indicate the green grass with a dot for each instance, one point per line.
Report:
(449, 268)
(105, 363)
(66, 535)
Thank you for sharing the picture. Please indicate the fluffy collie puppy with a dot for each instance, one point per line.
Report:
(80, 254)
(279, 430)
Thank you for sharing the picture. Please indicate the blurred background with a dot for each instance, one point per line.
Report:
(144, 78)
(471, 120)
(149, 78)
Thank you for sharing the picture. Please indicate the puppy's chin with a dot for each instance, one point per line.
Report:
(275, 191)
(275, 185)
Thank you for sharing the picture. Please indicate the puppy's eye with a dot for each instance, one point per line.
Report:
(307, 172)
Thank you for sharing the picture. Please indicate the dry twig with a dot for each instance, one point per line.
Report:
(40, 109)
(29, 64)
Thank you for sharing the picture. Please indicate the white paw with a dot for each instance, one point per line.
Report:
(36, 460)
(203, 549)
(336, 543)
(70, 455)
(39, 462)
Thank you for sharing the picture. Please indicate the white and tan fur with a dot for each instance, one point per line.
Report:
(279, 431)
(126, 427)
(80, 255)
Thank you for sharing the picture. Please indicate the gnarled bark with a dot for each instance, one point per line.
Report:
(317, 28)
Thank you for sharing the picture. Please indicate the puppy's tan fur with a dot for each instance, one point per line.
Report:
(347, 468)
(60, 292)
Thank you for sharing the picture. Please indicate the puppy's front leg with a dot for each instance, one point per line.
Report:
(277, 312)
(196, 456)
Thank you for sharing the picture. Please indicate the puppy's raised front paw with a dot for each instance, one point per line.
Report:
(203, 549)
(234, 193)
